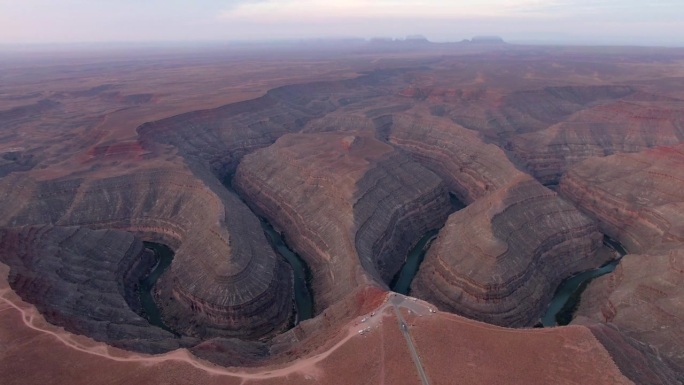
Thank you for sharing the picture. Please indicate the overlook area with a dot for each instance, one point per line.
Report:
(234, 216)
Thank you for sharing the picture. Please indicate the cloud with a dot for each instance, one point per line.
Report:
(233, 4)
(305, 10)
(103, 20)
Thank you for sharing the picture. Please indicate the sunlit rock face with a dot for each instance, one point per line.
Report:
(350, 204)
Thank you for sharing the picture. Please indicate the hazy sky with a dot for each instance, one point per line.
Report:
(657, 22)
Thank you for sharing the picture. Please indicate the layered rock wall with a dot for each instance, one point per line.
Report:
(350, 205)
(79, 279)
(471, 168)
(224, 276)
(643, 299)
(533, 109)
(637, 199)
(500, 259)
(623, 126)
(217, 139)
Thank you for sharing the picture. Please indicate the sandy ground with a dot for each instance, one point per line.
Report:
(451, 348)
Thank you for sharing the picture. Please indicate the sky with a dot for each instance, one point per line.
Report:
(633, 22)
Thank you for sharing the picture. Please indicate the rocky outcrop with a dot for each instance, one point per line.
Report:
(643, 298)
(623, 126)
(217, 139)
(532, 110)
(81, 279)
(351, 205)
(225, 278)
(500, 259)
(471, 168)
(16, 161)
(637, 199)
(641, 364)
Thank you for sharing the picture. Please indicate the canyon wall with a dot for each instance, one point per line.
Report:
(500, 259)
(216, 139)
(637, 199)
(351, 205)
(631, 125)
(471, 168)
(76, 277)
(225, 278)
(528, 110)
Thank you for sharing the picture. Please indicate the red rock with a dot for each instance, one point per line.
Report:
(637, 199)
(500, 259)
(351, 205)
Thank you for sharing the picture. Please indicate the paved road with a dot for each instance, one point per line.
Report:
(399, 300)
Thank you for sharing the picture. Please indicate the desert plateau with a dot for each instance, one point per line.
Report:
(342, 212)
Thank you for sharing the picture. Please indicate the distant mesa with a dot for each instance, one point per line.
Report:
(487, 40)
(410, 39)
(416, 39)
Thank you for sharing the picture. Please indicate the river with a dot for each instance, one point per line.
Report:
(303, 298)
(401, 283)
(164, 255)
(566, 299)
(302, 293)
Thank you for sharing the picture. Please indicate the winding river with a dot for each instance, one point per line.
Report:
(164, 255)
(566, 299)
(560, 310)
(303, 299)
(302, 277)
(401, 283)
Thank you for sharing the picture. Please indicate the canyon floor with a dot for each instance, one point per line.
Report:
(352, 152)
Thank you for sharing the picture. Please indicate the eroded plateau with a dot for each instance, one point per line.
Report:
(520, 159)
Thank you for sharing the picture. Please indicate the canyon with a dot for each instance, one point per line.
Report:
(637, 198)
(519, 158)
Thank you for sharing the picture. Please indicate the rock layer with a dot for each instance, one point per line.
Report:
(623, 126)
(224, 271)
(643, 298)
(638, 199)
(639, 363)
(471, 168)
(532, 109)
(500, 259)
(84, 280)
(217, 139)
(350, 205)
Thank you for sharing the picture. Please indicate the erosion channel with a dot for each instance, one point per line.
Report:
(163, 255)
(401, 283)
(567, 296)
(303, 300)
(304, 306)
